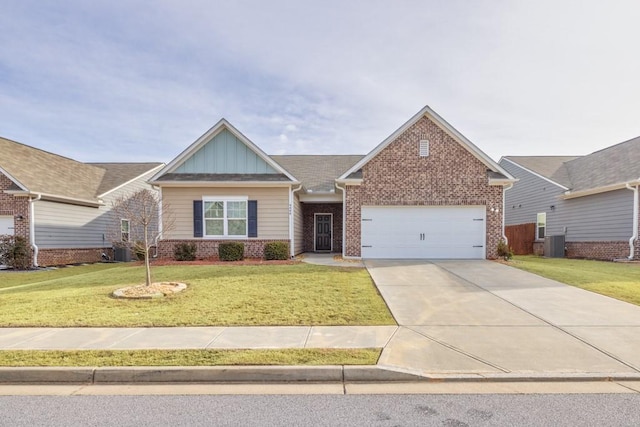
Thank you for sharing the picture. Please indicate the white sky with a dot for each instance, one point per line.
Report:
(129, 80)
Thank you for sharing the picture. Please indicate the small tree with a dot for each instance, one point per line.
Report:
(136, 223)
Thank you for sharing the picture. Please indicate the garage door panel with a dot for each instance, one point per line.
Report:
(423, 232)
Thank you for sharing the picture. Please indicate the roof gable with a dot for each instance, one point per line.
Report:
(222, 151)
(550, 168)
(446, 127)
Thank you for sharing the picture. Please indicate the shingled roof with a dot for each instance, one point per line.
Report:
(317, 172)
(611, 166)
(38, 171)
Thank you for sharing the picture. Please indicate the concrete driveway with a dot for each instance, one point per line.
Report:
(485, 318)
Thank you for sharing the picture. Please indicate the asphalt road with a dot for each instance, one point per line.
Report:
(323, 410)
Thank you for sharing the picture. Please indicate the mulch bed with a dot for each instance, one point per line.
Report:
(216, 261)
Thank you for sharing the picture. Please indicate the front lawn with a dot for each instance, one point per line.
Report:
(217, 295)
(617, 280)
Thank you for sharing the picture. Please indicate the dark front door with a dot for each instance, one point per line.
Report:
(323, 232)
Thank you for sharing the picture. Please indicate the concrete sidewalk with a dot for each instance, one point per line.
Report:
(258, 337)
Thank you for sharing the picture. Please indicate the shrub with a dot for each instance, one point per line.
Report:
(138, 249)
(15, 252)
(231, 251)
(185, 252)
(276, 250)
(504, 251)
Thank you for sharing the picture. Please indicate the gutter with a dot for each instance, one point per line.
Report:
(344, 215)
(292, 237)
(634, 237)
(32, 229)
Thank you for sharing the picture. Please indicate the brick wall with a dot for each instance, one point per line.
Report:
(209, 248)
(308, 216)
(16, 207)
(49, 257)
(605, 251)
(449, 176)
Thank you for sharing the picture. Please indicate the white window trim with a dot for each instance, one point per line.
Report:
(225, 224)
(538, 227)
(122, 221)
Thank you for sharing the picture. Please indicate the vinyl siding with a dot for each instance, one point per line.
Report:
(273, 209)
(529, 196)
(600, 217)
(298, 226)
(65, 226)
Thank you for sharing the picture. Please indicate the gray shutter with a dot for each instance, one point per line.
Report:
(252, 216)
(197, 218)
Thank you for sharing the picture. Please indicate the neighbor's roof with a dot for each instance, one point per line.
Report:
(317, 172)
(550, 167)
(611, 166)
(38, 171)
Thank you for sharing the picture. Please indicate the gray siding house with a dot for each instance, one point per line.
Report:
(591, 200)
(62, 206)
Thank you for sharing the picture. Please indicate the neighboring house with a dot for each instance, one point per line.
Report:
(592, 200)
(62, 206)
(424, 192)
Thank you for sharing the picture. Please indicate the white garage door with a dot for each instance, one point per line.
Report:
(6, 224)
(423, 232)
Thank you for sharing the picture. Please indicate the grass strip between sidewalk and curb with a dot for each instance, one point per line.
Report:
(51, 358)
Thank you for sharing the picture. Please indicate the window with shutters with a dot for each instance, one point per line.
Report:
(225, 217)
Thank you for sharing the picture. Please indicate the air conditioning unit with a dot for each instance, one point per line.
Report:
(122, 254)
(554, 246)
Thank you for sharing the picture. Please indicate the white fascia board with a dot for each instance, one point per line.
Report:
(59, 199)
(535, 173)
(131, 180)
(613, 187)
(446, 127)
(206, 137)
(501, 181)
(223, 184)
(13, 179)
(321, 197)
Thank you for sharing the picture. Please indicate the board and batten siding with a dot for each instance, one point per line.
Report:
(65, 226)
(529, 196)
(273, 209)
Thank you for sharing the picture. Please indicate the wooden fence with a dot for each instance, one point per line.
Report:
(521, 238)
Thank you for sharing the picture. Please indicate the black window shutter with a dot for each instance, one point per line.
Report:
(252, 216)
(197, 218)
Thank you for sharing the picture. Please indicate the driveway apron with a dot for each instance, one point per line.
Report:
(485, 318)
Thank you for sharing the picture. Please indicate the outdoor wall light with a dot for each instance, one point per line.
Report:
(19, 217)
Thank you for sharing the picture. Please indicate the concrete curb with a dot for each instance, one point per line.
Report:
(268, 374)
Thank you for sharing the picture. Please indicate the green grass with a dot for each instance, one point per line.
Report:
(298, 294)
(617, 280)
(98, 358)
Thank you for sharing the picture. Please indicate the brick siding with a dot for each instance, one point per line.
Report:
(18, 207)
(207, 248)
(308, 213)
(449, 176)
(50, 257)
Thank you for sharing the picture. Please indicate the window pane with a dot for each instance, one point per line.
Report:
(214, 227)
(237, 227)
(236, 209)
(214, 209)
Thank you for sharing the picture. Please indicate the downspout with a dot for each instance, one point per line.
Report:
(344, 216)
(504, 215)
(635, 220)
(292, 237)
(32, 229)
